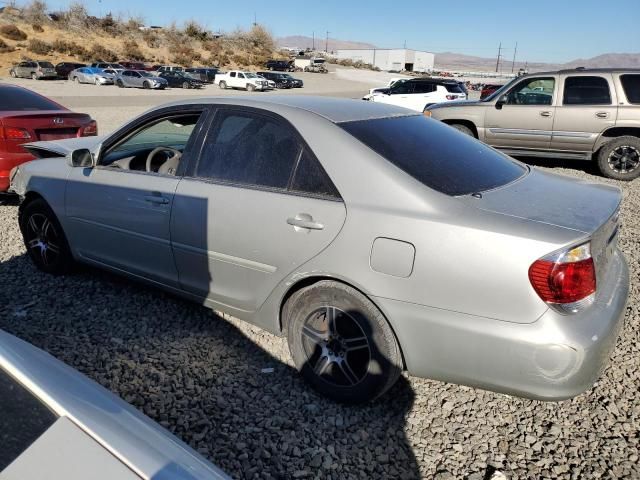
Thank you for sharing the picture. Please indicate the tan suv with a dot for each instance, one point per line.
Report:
(575, 114)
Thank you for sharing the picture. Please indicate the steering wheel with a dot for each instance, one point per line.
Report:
(174, 154)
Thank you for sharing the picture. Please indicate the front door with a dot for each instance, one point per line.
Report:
(588, 108)
(523, 117)
(119, 211)
(255, 207)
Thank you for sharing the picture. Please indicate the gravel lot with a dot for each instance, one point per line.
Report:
(208, 380)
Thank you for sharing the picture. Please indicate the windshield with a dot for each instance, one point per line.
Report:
(499, 91)
(146, 74)
(252, 75)
(437, 155)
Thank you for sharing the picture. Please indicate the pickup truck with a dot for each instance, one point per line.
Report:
(239, 79)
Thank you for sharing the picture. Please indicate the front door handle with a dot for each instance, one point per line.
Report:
(156, 199)
(545, 114)
(304, 220)
(602, 114)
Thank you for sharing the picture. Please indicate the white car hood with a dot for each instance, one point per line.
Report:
(63, 147)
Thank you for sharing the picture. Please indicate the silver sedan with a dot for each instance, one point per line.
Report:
(373, 238)
(91, 75)
(140, 79)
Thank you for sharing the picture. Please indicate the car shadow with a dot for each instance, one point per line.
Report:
(226, 388)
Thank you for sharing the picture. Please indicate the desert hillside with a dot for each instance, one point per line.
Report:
(34, 32)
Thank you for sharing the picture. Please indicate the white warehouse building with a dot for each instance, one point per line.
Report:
(399, 59)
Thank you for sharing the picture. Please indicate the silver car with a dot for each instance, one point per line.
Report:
(36, 70)
(93, 75)
(140, 79)
(58, 424)
(374, 238)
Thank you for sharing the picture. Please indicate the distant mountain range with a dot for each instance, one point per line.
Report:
(457, 61)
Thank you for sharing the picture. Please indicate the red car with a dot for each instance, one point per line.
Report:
(488, 90)
(26, 116)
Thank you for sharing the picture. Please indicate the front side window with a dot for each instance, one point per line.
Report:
(535, 91)
(232, 74)
(583, 90)
(249, 149)
(631, 87)
(436, 155)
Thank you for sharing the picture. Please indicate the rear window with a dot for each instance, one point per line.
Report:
(436, 155)
(45, 64)
(453, 88)
(18, 99)
(631, 86)
(23, 419)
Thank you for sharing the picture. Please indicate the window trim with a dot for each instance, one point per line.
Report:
(554, 96)
(602, 77)
(207, 129)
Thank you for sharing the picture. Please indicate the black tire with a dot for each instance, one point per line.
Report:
(14, 74)
(120, 84)
(44, 238)
(186, 85)
(222, 85)
(463, 128)
(620, 158)
(251, 87)
(359, 361)
(146, 85)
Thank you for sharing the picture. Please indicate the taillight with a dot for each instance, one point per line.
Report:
(566, 280)
(15, 133)
(91, 129)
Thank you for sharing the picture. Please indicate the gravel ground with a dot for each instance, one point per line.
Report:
(208, 380)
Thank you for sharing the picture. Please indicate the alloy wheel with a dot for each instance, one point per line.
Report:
(42, 239)
(624, 159)
(336, 347)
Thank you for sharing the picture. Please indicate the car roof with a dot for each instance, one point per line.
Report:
(336, 110)
(585, 70)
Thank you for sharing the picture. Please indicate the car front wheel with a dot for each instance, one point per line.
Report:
(44, 239)
(620, 158)
(341, 343)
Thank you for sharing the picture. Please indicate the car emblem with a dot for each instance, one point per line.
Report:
(58, 120)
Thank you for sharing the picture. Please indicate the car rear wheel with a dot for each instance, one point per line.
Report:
(44, 239)
(77, 80)
(463, 128)
(34, 76)
(186, 85)
(620, 158)
(14, 74)
(222, 85)
(341, 343)
(146, 85)
(120, 84)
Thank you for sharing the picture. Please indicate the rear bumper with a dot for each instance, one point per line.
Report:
(7, 162)
(555, 358)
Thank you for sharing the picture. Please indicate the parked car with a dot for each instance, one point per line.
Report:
(64, 426)
(239, 79)
(140, 79)
(63, 69)
(206, 75)
(93, 75)
(280, 65)
(383, 90)
(295, 82)
(280, 80)
(418, 93)
(103, 65)
(26, 116)
(573, 114)
(316, 65)
(133, 65)
(181, 80)
(37, 70)
(488, 89)
(114, 72)
(443, 265)
(168, 68)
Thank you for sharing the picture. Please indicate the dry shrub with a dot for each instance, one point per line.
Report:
(76, 16)
(35, 12)
(184, 54)
(36, 27)
(39, 47)
(131, 50)
(12, 33)
(98, 52)
(133, 24)
(109, 24)
(68, 48)
(4, 48)
(194, 30)
(151, 38)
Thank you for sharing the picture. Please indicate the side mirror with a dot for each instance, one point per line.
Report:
(81, 158)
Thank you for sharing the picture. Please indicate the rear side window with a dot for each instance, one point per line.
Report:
(453, 88)
(423, 87)
(311, 178)
(249, 149)
(586, 91)
(17, 99)
(436, 155)
(631, 86)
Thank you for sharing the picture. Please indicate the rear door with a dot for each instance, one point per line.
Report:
(589, 106)
(254, 207)
(525, 118)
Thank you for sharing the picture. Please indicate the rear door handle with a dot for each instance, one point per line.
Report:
(545, 114)
(156, 199)
(304, 220)
(602, 114)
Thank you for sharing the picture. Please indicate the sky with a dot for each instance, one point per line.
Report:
(546, 31)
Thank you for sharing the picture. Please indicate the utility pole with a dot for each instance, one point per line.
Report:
(313, 47)
(499, 55)
(255, 19)
(326, 44)
(513, 64)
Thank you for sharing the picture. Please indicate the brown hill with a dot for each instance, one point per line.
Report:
(302, 42)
